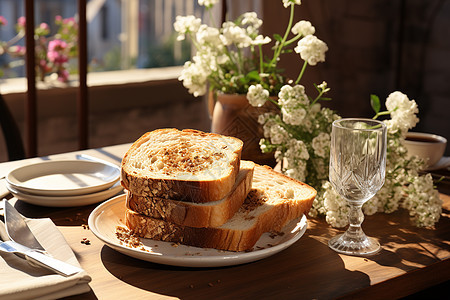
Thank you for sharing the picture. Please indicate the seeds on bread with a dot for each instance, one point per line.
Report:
(186, 165)
(210, 214)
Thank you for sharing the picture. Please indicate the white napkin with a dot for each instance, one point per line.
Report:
(21, 280)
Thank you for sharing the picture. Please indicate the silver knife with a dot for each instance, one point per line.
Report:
(17, 228)
(39, 258)
(24, 242)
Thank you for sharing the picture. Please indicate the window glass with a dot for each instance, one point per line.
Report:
(122, 34)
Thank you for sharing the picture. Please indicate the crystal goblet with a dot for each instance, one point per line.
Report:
(357, 171)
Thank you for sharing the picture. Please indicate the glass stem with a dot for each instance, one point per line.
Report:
(355, 218)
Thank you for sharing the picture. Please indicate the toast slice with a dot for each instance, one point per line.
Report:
(273, 201)
(210, 214)
(186, 165)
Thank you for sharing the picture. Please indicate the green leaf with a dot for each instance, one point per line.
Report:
(375, 103)
(277, 37)
(317, 88)
(253, 75)
(284, 51)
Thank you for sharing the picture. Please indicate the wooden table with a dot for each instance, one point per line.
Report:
(411, 260)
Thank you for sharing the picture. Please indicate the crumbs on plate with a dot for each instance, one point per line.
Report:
(127, 238)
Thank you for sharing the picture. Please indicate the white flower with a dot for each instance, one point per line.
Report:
(323, 86)
(286, 3)
(403, 112)
(311, 49)
(257, 95)
(268, 121)
(207, 58)
(278, 134)
(336, 207)
(265, 117)
(298, 172)
(293, 116)
(297, 150)
(321, 144)
(423, 201)
(303, 28)
(253, 23)
(194, 78)
(233, 34)
(261, 40)
(293, 102)
(188, 24)
(315, 108)
(320, 168)
(209, 35)
(207, 3)
(292, 96)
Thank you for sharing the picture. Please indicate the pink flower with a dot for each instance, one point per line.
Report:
(58, 18)
(3, 21)
(56, 49)
(69, 21)
(21, 21)
(43, 29)
(44, 66)
(57, 45)
(63, 76)
(17, 51)
(20, 50)
(44, 26)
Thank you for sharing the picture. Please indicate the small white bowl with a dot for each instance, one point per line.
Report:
(429, 147)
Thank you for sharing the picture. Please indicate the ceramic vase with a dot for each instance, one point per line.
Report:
(234, 116)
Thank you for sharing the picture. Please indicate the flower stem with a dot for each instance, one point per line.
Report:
(240, 64)
(317, 98)
(274, 102)
(15, 39)
(234, 63)
(261, 67)
(301, 73)
(383, 113)
(293, 40)
(280, 47)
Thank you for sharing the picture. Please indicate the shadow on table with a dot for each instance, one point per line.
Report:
(405, 246)
(307, 269)
(59, 215)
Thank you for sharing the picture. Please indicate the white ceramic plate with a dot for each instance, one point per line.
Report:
(67, 201)
(443, 163)
(104, 220)
(63, 177)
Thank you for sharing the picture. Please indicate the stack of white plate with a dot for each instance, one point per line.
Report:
(63, 183)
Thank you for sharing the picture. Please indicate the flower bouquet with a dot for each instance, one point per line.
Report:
(299, 132)
(230, 60)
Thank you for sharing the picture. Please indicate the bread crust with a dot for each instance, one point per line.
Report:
(206, 237)
(198, 190)
(211, 214)
(274, 200)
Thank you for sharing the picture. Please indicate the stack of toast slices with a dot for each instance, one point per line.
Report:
(192, 188)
